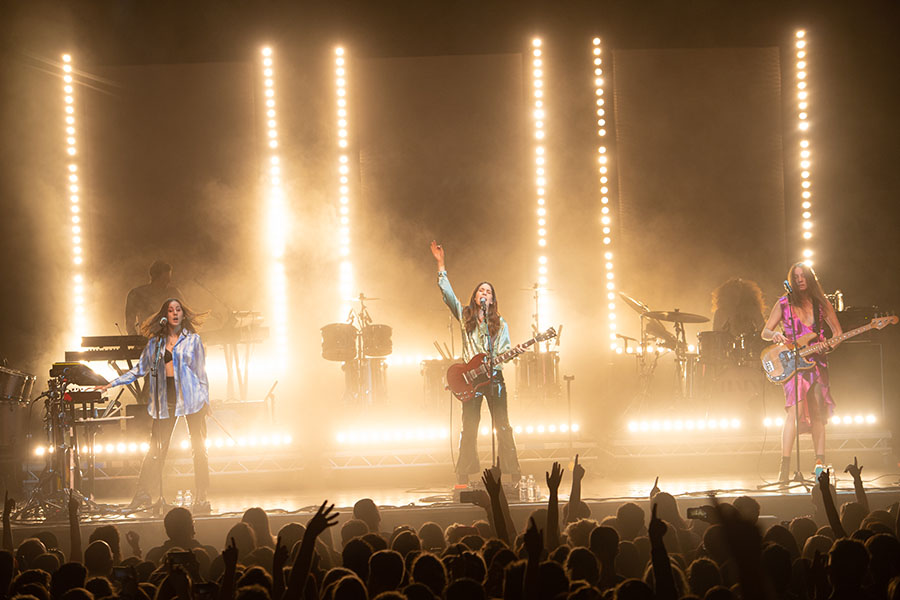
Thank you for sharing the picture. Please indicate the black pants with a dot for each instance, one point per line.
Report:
(468, 464)
(161, 435)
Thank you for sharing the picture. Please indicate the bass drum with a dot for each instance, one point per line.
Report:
(434, 373)
(339, 342)
(377, 340)
(715, 346)
(15, 386)
(365, 381)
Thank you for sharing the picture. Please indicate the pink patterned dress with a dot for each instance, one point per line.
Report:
(806, 378)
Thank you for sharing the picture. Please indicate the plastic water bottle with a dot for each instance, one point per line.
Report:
(819, 468)
(179, 498)
(188, 498)
(530, 485)
(523, 489)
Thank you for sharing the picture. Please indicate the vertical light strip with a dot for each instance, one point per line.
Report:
(605, 212)
(540, 165)
(276, 230)
(78, 323)
(345, 275)
(803, 126)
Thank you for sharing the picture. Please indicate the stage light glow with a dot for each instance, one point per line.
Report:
(803, 124)
(78, 325)
(276, 230)
(538, 115)
(603, 160)
(345, 283)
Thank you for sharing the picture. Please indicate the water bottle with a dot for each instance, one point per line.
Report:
(530, 485)
(819, 468)
(188, 498)
(536, 491)
(523, 489)
(179, 498)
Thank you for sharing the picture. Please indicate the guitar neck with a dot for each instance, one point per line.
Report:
(514, 352)
(817, 347)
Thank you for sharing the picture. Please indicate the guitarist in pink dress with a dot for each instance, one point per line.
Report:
(481, 320)
(810, 309)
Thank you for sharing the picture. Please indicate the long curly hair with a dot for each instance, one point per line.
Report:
(470, 312)
(192, 320)
(739, 295)
(813, 287)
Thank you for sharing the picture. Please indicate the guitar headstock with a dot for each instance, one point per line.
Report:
(551, 333)
(884, 321)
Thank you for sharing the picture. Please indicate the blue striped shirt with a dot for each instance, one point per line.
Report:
(189, 365)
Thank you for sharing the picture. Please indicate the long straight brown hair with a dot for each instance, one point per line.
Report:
(813, 287)
(470, 312)
(192, 319)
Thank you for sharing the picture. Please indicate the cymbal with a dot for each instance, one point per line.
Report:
(362, 298)
(658, 330)
(676, 316)
(635, 304)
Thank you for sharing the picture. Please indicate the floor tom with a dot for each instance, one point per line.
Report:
(15, 386)
(377, 340)
(339, 342)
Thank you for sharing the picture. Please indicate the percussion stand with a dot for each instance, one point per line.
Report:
(569, 379)
(59, 474)
(680, 359)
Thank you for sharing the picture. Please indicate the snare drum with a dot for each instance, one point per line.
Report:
(339, 342)
(377, 340)
(15, 386)
(715, 346)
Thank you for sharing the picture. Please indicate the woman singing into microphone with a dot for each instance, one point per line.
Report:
(804, 309)
(482, 327)
(179, 388)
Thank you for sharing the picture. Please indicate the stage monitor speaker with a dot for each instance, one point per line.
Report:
(856, 376)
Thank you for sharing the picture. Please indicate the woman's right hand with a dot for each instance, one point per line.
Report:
(438, 252)
(779, 338)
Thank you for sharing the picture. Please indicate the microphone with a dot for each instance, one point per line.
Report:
(484, 304)
(787, 286)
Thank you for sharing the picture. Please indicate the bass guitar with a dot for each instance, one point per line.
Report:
(465, 379)
(779, 362)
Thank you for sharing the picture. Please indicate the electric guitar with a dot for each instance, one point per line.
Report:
(465, 379)
(778, 360)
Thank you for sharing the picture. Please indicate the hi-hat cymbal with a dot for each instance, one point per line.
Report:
(362, 298)
(676, 316)
(635, 304)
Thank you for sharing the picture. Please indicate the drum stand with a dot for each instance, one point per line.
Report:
(363, 387)
(61, 476)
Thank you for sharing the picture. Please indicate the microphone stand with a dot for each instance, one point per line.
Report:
(490, 365)
(159, 507)
(795, 352)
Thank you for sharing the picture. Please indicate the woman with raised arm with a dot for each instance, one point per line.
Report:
(180, 388)
(810, 309)
(482, 326)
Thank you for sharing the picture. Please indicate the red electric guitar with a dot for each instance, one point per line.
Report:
(465, 379)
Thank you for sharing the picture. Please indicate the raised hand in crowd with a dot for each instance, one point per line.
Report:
(230, 559)
(655, 489)
(324, 518)
(662, 568)
(575, 494)
(180, 582)
(9, 505)
(279, 558)
(745, 545)
(828, 501)
(491, 480)
(554, 478)
(855, 471)
(534, 547)
(134, 542)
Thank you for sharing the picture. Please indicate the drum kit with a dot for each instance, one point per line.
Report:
(700, 373)
(361, 345)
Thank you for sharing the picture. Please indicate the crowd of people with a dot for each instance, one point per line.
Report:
(720, 553)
